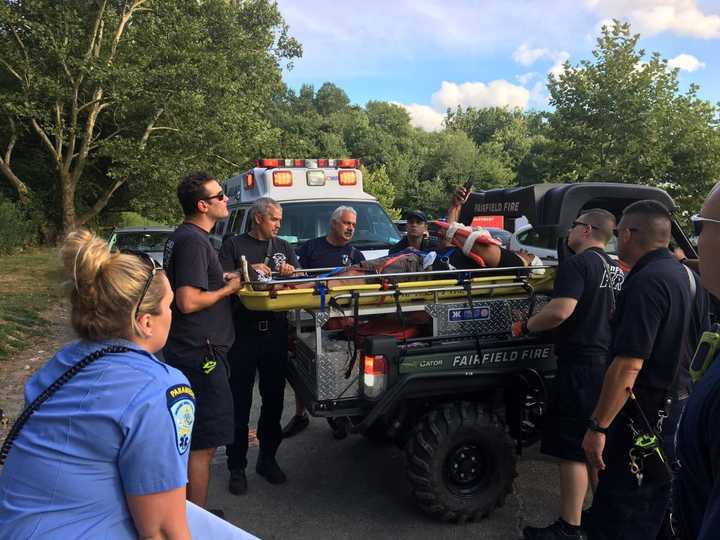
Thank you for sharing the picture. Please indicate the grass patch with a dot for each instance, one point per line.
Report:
(30, 284)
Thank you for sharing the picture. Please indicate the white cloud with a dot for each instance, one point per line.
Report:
(478, 94)
(650, 17)
(525, 78)
(686, 62)
(526, 56)
(424, 117)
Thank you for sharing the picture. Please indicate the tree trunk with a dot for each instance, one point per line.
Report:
(22, 190)
(67, 193)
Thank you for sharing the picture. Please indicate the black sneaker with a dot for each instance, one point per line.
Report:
(296, 424)
(272, 472)
(556, 531)
(238, 483)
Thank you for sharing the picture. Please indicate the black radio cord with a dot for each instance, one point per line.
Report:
(49, 391)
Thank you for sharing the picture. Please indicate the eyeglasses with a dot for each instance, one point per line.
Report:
(697, 222)
(576, 223)
(616, 232)
(154, 266)
(219, 196)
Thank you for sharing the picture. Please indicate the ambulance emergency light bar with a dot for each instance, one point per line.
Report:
(347, 176)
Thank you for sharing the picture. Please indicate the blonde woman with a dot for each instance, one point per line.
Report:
(101, 451)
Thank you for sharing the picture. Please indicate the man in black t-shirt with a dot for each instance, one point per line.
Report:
(260, 345)
(656, 312)
(579, 316)
(201, 332)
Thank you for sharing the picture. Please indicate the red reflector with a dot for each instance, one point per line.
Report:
(268, 163)
(282, 178)
(322, 162)
(249, 181)
(299, 162)
(348, 163)
(375, 364)
(347, 178)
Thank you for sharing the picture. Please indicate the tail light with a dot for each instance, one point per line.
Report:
(282, 178)
(374, 375)
(347, 178)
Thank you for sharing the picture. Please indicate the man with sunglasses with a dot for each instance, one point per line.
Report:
(201, 332)
(659, 313)
(696, 488)
(579, 316)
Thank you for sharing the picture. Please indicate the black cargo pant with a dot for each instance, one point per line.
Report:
(262, 348)
(622, 509)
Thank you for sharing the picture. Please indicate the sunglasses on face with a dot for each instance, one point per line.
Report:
(219, 196)
(697, 222)
(154, 267)
(576, 223)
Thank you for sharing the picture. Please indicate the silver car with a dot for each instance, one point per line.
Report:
(150, 240)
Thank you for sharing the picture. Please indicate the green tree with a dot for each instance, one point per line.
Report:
(378, 184)
(128, 94)
(620, 118)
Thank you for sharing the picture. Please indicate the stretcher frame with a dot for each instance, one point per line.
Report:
(323, 363)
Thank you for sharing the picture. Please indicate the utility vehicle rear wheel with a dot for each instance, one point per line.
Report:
(460, 462)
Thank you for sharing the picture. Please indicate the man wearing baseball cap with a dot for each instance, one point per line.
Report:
(417, 234)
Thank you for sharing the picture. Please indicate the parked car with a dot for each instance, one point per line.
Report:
(401, 225)
(150, 240)
(543, 244)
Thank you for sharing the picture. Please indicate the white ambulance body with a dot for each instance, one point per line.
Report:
(309, 191)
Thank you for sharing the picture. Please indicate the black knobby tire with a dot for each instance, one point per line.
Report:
(460, 462)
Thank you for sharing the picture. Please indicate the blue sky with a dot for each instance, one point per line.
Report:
(428, 55)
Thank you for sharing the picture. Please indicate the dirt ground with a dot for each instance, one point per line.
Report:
(17, 369)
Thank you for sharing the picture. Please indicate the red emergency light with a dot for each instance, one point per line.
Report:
(348, 163)
(267, 163)
(322, 162)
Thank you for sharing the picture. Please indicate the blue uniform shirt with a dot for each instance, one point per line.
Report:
(319, 253)
(697, 483)
(120, 427)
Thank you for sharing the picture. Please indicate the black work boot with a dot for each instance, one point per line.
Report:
(268, 467)
(296, 424)
(237, 485)
(557, 531)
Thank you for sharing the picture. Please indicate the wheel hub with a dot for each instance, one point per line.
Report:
(465, 467)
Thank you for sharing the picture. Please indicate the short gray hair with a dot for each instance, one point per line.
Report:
(340, 210)
(261, 207)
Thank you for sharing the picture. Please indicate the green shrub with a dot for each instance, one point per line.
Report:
(18, 229)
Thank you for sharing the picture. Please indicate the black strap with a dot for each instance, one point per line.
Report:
(48, 392)
(269, 252)
(670, 391)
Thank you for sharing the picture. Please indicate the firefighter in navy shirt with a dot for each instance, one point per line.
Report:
(655, 322)
(260, 345)
(696, 490)
(328, 251)
(579, 315)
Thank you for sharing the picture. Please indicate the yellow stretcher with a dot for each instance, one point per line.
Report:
(490, 282)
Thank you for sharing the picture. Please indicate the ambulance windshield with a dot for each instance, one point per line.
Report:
(303, 221)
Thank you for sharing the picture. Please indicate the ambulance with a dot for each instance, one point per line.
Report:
(309, 190)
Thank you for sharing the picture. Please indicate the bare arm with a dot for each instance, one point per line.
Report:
(191, 299)
(557, 311)
(160, 516)
(459, 197)
(619, 377)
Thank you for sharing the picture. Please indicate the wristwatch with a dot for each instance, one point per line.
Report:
(594, 425)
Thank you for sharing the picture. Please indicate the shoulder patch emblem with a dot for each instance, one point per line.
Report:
(181, 404)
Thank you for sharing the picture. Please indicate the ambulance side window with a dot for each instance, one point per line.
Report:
(236, 220)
